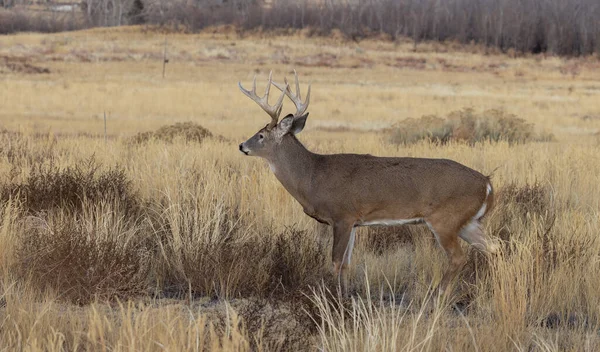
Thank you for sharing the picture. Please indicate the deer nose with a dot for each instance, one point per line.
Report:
(241, 147)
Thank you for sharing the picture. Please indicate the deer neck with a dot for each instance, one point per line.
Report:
(293, 165)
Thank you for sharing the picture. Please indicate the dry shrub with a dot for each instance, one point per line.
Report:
(530, 199)
(86, 234)
(317, 60)
(279, 265)
(519, 206)
(187, 131)
(429, 127)
(49, 187)
(467, 126)
(80, 263)
(591, 117)
(20, 65)
(414, 63)
(82, 233)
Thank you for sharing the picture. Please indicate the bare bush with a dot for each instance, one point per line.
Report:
(186, 131)
(19, 20)
(48, 188)
(556, 26)
(467, 126)
(194, 262)
(80, 263)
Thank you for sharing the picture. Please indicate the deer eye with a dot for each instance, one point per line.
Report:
(261, 136)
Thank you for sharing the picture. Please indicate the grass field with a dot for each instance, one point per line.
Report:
(115, 245)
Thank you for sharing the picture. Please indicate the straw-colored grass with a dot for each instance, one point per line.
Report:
(112, 245)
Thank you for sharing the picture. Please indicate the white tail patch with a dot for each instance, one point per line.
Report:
(481, 211)
(473, 234)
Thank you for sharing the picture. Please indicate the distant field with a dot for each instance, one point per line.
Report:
(191, 246)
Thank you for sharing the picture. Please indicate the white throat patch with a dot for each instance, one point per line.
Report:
(273, 168)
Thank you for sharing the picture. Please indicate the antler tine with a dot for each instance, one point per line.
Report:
(273, 111)
(297, 98)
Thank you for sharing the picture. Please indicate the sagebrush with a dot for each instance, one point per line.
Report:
(467, 126)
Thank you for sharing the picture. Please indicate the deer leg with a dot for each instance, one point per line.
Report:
(343, 243)
(473, 234)
(448, 240)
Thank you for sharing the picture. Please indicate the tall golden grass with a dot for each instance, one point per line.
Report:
(188, 245)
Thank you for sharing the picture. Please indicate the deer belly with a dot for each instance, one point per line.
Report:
(390, 222)
(316, 216)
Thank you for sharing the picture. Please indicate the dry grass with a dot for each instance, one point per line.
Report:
(192, 246)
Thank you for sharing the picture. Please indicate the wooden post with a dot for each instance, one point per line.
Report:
(165, 60)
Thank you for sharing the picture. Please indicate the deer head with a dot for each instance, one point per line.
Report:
(267, 139)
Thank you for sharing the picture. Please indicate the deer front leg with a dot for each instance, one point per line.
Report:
(343, 243)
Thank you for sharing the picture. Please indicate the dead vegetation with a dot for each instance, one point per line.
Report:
(467, 126)
(17, 65)
(85, 234)
(174, 245)
(186, 131)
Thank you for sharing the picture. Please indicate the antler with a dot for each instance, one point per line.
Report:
(273, 111)
(297, 99)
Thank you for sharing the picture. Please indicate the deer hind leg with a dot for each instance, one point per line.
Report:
(343, 244)
(448, 240)
(473, 233)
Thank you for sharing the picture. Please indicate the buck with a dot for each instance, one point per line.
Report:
(346, 191)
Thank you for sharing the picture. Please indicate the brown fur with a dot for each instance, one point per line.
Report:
(349, 190)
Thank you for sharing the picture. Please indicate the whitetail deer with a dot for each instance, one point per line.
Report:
(350, 190)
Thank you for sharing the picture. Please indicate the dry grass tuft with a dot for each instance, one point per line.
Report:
(278, 266)
(467, 126)
(49, 187)
(187, 131)
(81, 262)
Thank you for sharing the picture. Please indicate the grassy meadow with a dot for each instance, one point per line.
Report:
(152, 244)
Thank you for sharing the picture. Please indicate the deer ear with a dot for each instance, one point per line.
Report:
(291, 124)
(285, 125)
(298, 124)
